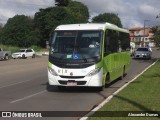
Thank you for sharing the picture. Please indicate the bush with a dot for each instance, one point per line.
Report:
(36, 48)
(9, 48)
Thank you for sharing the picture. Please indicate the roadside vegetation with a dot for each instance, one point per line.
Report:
(140, 95)
(25, 31)
(15, 49)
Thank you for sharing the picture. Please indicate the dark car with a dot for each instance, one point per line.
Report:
(143, 52)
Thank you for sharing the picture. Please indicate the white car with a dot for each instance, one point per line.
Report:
(24, 53)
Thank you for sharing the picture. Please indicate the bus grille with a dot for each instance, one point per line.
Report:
(72, 77)
(78, 82)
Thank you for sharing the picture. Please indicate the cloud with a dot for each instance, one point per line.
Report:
(9, 8)
(131, 12)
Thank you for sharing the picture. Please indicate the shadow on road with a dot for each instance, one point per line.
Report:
(71, 89)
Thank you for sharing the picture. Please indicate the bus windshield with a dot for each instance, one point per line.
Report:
(76, 44)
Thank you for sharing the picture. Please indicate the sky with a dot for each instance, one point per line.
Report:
(132, 13)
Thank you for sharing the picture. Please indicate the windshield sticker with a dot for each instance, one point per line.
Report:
(69, 56)
(76, 56)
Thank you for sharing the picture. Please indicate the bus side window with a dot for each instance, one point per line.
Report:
(113, 41)
(107, 44)
(125, 41)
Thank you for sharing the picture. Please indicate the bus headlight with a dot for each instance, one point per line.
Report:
(52, 71)
(93, 72)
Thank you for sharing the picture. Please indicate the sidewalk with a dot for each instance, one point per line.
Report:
(42, 53)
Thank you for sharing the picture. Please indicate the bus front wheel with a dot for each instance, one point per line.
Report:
(107, 80)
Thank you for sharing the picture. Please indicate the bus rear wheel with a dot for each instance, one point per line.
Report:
(123, 74)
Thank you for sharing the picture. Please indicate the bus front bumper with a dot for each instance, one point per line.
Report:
(90, 81)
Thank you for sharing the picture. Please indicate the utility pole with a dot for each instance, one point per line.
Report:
(158, 16)
(144, 30)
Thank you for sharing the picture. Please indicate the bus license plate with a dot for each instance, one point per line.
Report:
(71, 83)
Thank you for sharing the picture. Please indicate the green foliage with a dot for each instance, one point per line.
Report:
(79, 12)
(48, 19)
(140, 95)
(9, 48)
(15, 49)
(108, 17)
(36, 48)
(20, 31)
(1, 26)
(156, 32)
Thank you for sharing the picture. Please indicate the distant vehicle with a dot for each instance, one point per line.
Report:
(4, 55)
(143, 52)
(24, 53)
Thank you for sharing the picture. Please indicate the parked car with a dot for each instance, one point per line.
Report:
(24, 53)
(143, 52)
(4, 55)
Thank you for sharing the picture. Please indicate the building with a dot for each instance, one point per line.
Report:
(141, 37)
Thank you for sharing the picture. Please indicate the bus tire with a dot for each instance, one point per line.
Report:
(123, 74)
(107, 80)
(49, 87)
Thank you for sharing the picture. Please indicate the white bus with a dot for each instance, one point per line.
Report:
(90, 55)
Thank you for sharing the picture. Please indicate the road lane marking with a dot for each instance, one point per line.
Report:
(116, 92)
(27, 97)
(18, 83)
(15, 84)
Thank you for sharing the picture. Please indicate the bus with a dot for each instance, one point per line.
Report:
(88, 55)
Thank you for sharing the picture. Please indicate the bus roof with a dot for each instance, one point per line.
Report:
(90, 26)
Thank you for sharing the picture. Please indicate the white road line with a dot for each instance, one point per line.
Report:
(17, 83)
(111, 96)
(27, 97)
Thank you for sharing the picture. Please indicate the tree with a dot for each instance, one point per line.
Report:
(79, 12)
(108, 17)
(20, 31)
(1, 26)
(156, 37)
(48, 19)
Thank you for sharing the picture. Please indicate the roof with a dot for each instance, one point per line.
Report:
(90, 26)
(136, 29)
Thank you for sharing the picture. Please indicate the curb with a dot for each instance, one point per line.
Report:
(111, 96)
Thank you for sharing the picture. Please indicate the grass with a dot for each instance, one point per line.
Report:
(143, 94)
(9, 48)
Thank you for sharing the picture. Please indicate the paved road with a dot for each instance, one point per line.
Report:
(23, 88)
